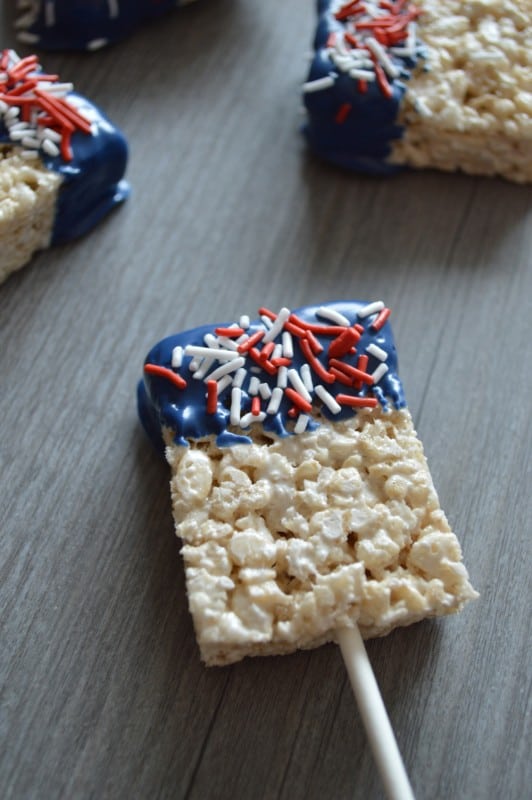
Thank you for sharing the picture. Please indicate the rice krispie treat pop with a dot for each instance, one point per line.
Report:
(445, 84)
(300, 490)
(62, 162)
(299, 486)
(84, 24)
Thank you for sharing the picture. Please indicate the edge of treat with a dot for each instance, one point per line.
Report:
(81, 25)
(43, 118)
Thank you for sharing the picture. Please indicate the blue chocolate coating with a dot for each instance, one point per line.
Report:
(184, 411)
(363, 140)
(89, 24)
(93, 181)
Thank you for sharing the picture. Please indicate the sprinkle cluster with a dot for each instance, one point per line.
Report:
(34, 108)
(376, 38)
(286, 359)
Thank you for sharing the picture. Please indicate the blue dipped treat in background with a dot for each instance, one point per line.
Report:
(84, 24)
(44, 123)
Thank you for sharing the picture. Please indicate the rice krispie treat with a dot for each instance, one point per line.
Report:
(62, 162)
(84, 24)
(445, 84)
(299, 486)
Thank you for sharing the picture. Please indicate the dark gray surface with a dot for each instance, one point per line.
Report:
(103, 693)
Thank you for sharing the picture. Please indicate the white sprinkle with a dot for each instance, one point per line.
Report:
(255, 370)
(278, 325)
(177, 356)
(361, 74)
(96, 44)
(224, 383)
(295, 379)
(379, 373)
(307, 377)
(28, 38)
(240, 376)
(30, 141)
(48, 133)
(382, 56)
(228, 344)
(29, 154)
(210, 340)
(371, 308)
(332, 315)
(378, 352)
(264, 391)
(3, 106)
(248, 419)
(225, 369)
(50, 148)
(318, 85)
(254, 384)
(56, 88)
(19, 134)
(267, 321)
(195, 364)
(221, 355)
(327, 399)
(243, 322)
(14, 111)
(49, 13)
(288, 345)
(301, 424)
(114, 11)
(236, 397)
(282, 377)
(275, 401)
(277, 352)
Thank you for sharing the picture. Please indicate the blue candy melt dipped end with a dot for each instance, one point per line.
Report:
(356, 82)
(330, 353)
(86, 24)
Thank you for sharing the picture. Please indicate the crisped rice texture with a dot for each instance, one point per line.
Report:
(472, 109)
(28, 194)
(287, 539)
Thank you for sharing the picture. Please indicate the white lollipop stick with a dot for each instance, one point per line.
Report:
(378, 727)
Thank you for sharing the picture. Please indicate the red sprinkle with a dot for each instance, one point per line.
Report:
(356, 402)
(315, 345)
(266, 351)
(264, 363)
(298, 400)
(381, 319)
(353, 372)
(281, 362)
(341, 377)
(294, 329)
(255, 406)
(343, 113)
(229, 333)
(251, 342)
(265, 312)
(212, 397)
(316, 365)
(362, 363)
(164, 372)
(343, 343)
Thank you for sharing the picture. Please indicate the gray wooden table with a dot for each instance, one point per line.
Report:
(103, 693)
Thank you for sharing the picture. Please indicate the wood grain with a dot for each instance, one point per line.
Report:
(103, 694)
